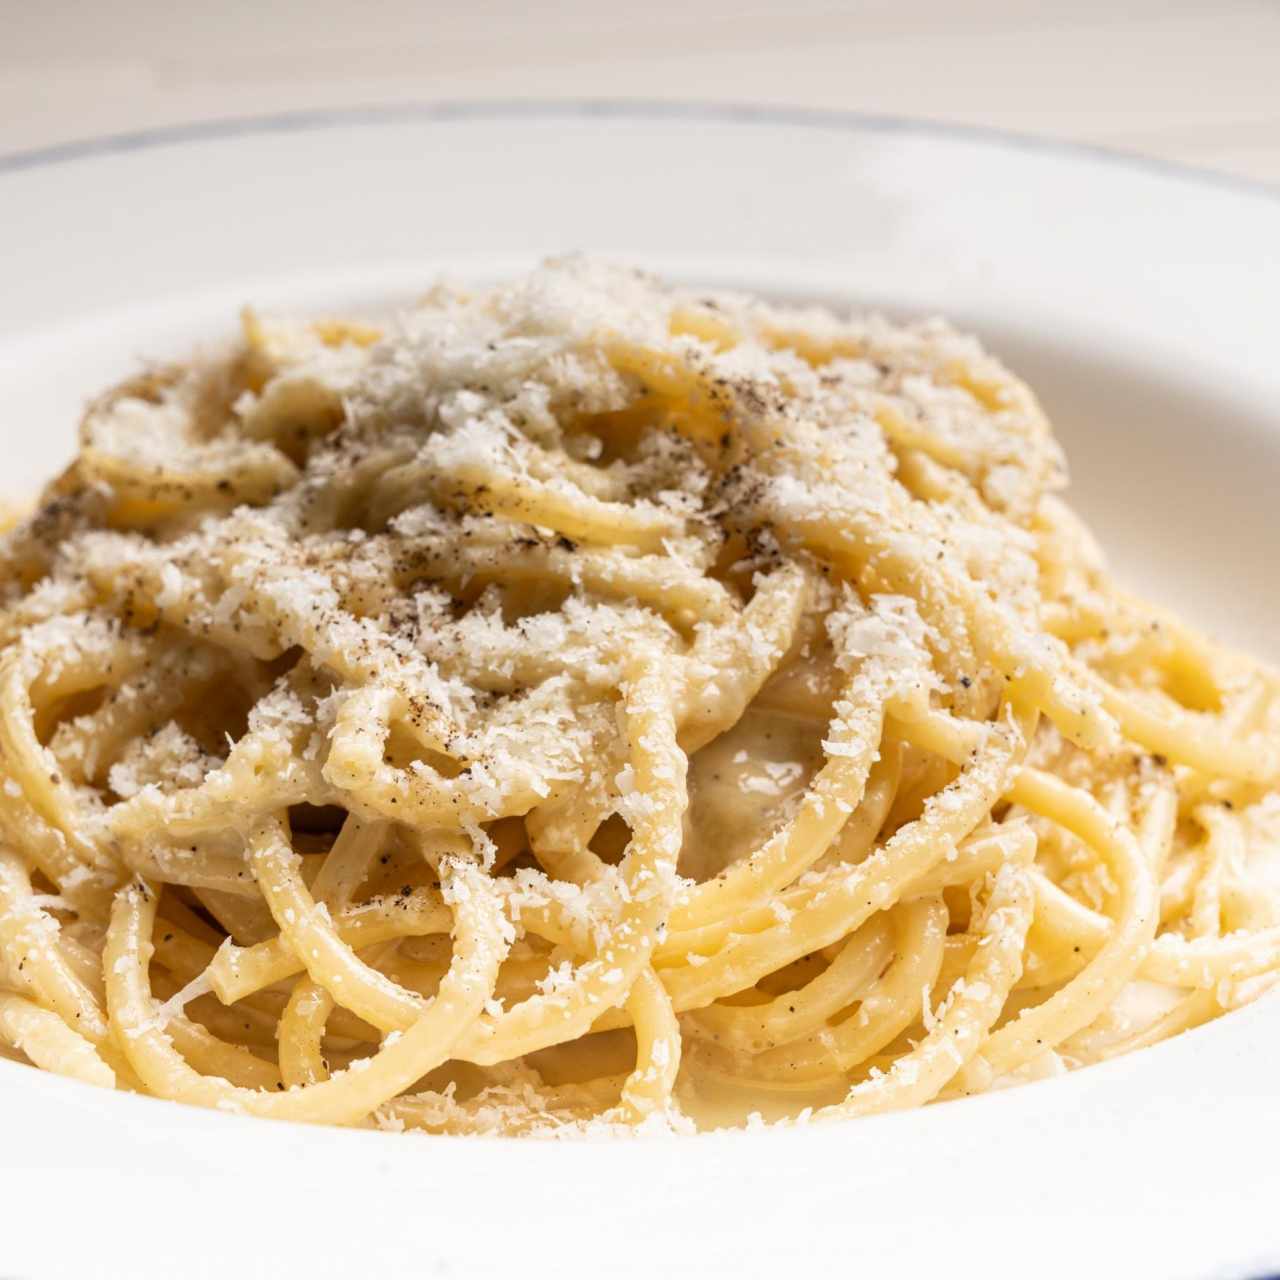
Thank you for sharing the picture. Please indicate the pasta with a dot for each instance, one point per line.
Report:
(583, 705)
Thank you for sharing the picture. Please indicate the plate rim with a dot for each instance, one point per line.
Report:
(727, 111)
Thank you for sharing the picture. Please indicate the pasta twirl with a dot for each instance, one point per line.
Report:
(589, 705)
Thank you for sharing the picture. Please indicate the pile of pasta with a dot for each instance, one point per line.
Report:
(584, 705)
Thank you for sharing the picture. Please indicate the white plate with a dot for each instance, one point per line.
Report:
(1143, 302)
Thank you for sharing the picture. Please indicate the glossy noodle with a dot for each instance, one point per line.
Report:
(583, 705)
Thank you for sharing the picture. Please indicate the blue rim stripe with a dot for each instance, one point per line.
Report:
(448, 112)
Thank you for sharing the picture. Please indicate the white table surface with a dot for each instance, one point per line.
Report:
(1191, 80)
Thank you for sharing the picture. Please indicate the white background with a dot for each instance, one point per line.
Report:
(1190, 80)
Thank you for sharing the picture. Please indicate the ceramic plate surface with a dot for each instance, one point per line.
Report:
(1143, 304)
